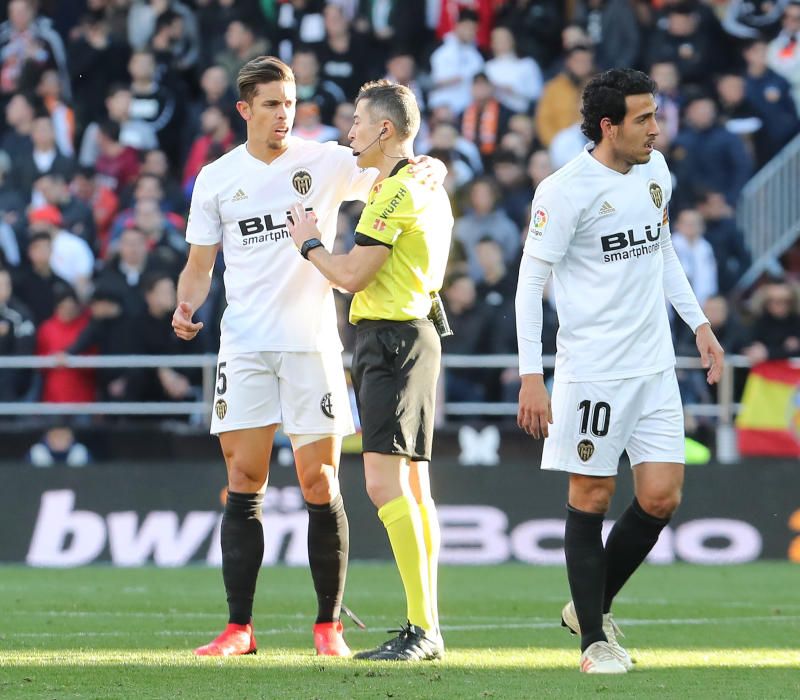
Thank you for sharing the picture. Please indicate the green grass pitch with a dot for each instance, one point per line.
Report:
(100, 633)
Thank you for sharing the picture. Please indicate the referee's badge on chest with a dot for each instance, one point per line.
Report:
(302, 182)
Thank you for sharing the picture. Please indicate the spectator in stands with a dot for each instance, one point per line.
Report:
(96, 60)
(72, 258)
(687, 41)
(706, 155)
(43, 159)
(472, 322)
(165, 241)
(76, 216)
(727, 241)
(155, 163)
(401, 69)
(485, 120)
(27, 40)
(566, 144)
(154, 103)
(215, 133)
(215, 90)
(539, 167)
(56, 334)
(17, 337)
(20, 112)
(326, 94)
(509, 174)
(536, 27)
(771, 95)
(454, 64)
(62, 116)
(451, 11)
(746, 19)
(668, 97)
(176, 41)
(135, 133)
(695, 254)
(517, 80)
(783, 53)
(484, 219)
(342, 57)
(343, 121)
(613, 31)
(59, 446)
(464, 156)
(241, 45)
(108, 332)
(308, 124)
(117, 164)
(35, 283)
(738, 115)
(123, 272)
(152, 335)
(776, 331)
(12, 204)
(497, 284)
(143, 24)
(559, 106)
(100, 199)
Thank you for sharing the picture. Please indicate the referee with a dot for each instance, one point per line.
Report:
(395, 269)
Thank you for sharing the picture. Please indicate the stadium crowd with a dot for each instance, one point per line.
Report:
(110, 108)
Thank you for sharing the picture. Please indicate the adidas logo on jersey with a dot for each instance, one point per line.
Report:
(239, 196)
(606, 209)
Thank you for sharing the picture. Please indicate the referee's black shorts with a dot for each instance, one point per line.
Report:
(395, 370)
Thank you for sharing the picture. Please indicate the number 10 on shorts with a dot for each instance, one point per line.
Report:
(600, 415)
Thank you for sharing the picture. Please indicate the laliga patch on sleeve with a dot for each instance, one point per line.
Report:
(539, 220)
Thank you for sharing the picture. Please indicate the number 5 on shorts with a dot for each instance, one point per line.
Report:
(222, 380)
(601, 417)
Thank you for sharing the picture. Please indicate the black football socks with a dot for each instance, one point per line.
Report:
(629, 542)
(586, 571)
(242, 539)
(328, 551)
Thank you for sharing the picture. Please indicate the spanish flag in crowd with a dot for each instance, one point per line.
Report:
(769, 422)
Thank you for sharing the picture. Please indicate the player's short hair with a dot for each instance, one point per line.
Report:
(393, 102)
(605, 94)
(262, 69)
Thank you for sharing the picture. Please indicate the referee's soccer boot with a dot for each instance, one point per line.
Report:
(412, 643)
(235, 640)
(329, 639)
(569, 619)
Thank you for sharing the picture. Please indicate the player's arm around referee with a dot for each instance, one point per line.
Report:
(402, 242)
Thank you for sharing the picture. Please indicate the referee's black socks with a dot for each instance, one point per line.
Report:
(328, 551)
(586, 571)
(242, 539)
(629, 542)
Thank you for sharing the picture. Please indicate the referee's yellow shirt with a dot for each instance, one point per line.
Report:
(417, 223)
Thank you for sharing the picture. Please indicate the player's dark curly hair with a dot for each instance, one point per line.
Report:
(604, 96)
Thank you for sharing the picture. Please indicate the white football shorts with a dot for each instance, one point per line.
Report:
(593, 422)
(305, 391)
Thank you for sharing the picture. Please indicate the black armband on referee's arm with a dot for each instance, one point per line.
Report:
(364, 239)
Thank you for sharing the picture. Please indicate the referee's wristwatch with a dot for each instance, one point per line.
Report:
(309, 245)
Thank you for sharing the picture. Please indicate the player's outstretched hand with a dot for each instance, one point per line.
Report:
(182, 322)
(712, 356)
(535, 412)
(301, 224)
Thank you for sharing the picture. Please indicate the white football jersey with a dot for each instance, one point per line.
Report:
(276, 300)
(603, 233)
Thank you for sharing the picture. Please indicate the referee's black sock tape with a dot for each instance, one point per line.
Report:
(628, 544)
(586, 571)
(242, 539)
(328, 551)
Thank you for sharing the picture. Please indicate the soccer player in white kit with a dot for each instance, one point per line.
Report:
(600, 225)
(280, 353)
